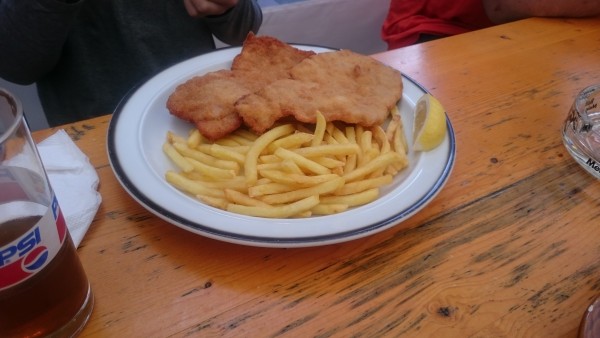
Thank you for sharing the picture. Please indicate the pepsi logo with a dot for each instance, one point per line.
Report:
(35, 259)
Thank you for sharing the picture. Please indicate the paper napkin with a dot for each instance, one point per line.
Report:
(74, 180)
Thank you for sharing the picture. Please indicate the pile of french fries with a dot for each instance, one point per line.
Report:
(292, 170)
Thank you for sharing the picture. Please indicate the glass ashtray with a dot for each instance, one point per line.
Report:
(581, 131)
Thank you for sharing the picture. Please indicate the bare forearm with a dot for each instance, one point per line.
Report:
(500, 11)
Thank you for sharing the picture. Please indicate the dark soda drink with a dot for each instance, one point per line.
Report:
(51, 299)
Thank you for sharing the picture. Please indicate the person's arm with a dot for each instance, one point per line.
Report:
(233, 26)
(501, 11)
(32, 34)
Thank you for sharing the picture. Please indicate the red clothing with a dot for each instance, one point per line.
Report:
(408, 19)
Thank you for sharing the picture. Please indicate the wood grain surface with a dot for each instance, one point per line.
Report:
(509, 248)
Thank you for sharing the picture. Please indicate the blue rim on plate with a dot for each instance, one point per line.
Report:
(138, 128)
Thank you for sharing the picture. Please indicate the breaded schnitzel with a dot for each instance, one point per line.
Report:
(208, 100)
(342, 85)
(265, 59)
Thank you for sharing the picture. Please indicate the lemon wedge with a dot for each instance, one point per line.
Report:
(429, 129)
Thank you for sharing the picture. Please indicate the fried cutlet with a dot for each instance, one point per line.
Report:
(342, 85)
(208, 100)
(265, 59)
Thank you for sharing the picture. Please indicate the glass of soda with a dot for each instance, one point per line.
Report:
(44, 290)
(581, 131)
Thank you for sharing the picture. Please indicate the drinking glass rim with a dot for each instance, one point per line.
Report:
(15, 103)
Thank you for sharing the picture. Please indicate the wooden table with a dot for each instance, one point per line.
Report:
(509, 248)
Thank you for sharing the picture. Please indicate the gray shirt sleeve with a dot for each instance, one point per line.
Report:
(232, 27)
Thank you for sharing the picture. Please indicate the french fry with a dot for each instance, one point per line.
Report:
(215, 148)
(205, 158)
(269, 188)
(400, 148)
(245, 134)
(329, 139)
(351, 160)
(237, 197)
(380, 137)
(329, 162)
(216, 202)
(302, 161)
(298, 181)
(258, 146)
(194, 139)
(271, 158)
(328, 209)
(360, 186)
(228, 153)
(351, 163)
(177, 158)
(319, 129)
(286, 165)
(358, 131)
(172, 138)
(211, 171)
(289, 166)
(400, 143)
(279, 211)
(329, 129)
(237, 183)
(290, 142)
(365, 147)
(392, 127)
(380, 162)
(241, 140)
(263, 180)
(190, 186)
(227, 142)
(371, 153)
(328, 149)
(339, 136)
(353, 200)
(294, 195)
(304, 214)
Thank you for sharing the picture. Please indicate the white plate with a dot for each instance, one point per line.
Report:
(138, 129)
